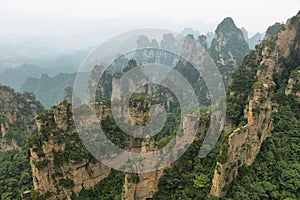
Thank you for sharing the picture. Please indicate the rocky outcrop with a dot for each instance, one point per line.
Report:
(203, 41)
(228, 48)
(293, 86)
(243, 144)
(143, 185)
(61, 166)
(17, 114)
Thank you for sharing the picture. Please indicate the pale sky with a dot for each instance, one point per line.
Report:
(17, 16)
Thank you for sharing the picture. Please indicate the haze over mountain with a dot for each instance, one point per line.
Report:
(48, 39)
(49, 90)
(27, 77)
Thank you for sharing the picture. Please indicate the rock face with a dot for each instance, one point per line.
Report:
(228, 36)
(17, 114)
(143, 185)
(228, 48)
(293, 84)
(60, 164)
(243, 144)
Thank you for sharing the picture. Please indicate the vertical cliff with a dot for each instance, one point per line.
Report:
(135, 186)
(142, 185)
(228, 48)
(63, 169)
(274, 59)
(61, 166)
(17, 114)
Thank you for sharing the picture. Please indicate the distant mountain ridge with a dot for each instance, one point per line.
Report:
(49, 90)
(15, 77)
(254, 40)
(64, 63)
